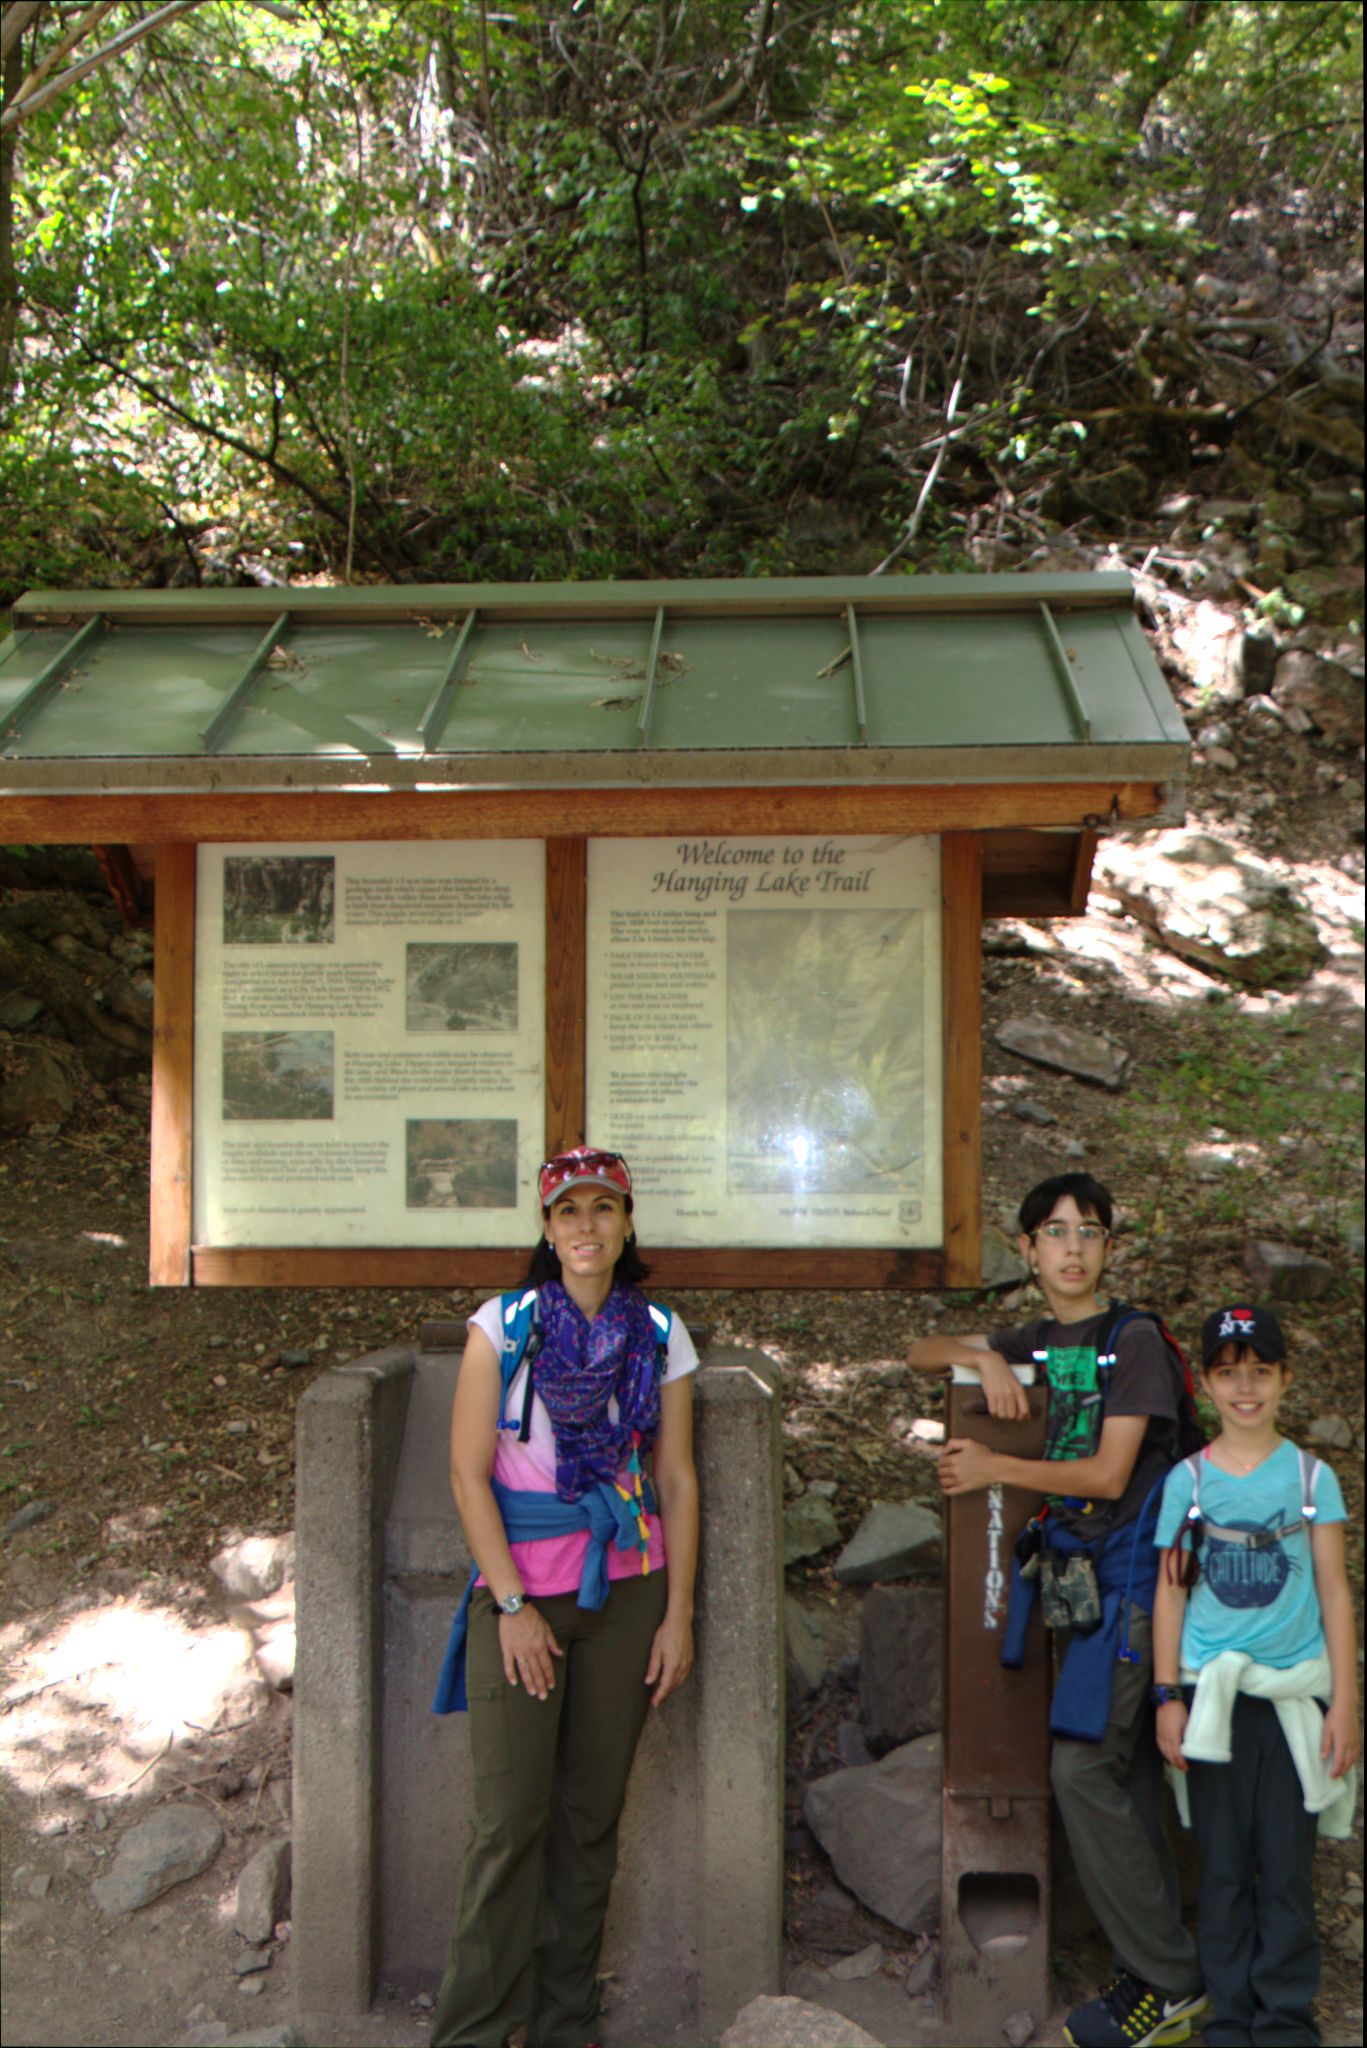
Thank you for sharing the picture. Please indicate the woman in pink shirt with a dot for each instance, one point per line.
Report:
(579, 1499)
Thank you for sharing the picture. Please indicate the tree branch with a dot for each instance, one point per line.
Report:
(731, 96)
(27, 101)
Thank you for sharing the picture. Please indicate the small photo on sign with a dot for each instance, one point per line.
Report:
(462, 1163)
(277, 1076)
(279, 899)
(460, 987)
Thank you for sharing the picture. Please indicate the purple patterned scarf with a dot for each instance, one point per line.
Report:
(579, 1366)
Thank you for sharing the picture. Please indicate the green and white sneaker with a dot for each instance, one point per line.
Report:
(1131, 2014)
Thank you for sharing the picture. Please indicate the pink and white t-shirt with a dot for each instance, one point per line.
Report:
(555, 1564)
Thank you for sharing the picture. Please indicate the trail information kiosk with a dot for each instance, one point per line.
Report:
(446, 877)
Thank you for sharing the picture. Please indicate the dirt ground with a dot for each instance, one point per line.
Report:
(143, 1430)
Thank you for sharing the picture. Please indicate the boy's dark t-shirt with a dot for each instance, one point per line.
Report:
(1142, 1383)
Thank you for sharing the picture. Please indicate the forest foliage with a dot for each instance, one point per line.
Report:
(579, 288)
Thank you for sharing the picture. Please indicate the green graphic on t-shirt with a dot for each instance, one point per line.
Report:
(1074, 1401)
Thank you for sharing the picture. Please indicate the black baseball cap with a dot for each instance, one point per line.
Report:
(1256, 1327)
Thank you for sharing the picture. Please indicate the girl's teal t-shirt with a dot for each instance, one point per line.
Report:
(1263, 1601)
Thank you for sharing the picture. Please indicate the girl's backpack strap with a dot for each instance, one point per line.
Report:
(1193, 1465)
(1310, 1471)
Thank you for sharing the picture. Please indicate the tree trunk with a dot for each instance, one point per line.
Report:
(9, 280)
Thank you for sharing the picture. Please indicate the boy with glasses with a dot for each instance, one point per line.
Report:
(1111, 1438)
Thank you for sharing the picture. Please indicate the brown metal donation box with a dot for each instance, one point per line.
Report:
(994, 1914)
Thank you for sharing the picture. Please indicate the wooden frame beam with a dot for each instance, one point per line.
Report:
(292, 816)
(395, 1266)
(961, 908)
(173, 1069)
(566, 991)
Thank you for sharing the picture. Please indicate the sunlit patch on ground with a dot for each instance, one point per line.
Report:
(95, 1699)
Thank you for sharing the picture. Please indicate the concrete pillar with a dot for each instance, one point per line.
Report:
(382, 1784)
(348, 1431)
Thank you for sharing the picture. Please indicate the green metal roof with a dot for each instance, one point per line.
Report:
(843, 680)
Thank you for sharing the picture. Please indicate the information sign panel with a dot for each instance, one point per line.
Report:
(369, 1043)
(764, 1037)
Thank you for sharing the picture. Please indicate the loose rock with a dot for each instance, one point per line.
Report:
(256, 1567)
(808, 1526)
(924, 1973)
(1032, 1112)
(804, 1651)
(263, 1890)
(1331, 1430)
(1019, 2029)
(172, 1846)
(34, 1511)
(1331, 696)
(1090, 1055)
(866, 1962)
(1213, 903)
(899, 1664)
(1002, 1264)
(851, 1747)
(37, 1093)
(1209, 644)
(1286, 1272)
(881, 1828)
(894, 1539)
(793, 2023)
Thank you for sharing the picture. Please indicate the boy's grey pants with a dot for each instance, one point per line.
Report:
(1111, 1795)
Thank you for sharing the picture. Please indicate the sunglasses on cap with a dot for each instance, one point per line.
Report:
(583, 1164)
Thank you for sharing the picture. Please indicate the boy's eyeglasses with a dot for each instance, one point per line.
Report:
(1059, 1233)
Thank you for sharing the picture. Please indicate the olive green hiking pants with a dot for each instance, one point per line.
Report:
(549, 1781)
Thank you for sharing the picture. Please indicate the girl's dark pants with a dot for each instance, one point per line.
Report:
(549, 1780)
(1256, 1934)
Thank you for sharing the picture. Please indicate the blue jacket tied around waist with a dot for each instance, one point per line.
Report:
(526, 1517)
(1126, 1573)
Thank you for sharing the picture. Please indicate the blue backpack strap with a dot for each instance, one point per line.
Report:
(519, 1315)
(663, 1319)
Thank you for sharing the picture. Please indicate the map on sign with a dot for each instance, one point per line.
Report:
(764, 1037)
(369, 1044)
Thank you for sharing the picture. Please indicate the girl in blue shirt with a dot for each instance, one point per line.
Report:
(1252, 1627)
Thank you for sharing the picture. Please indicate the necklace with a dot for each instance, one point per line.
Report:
(1245, 1465)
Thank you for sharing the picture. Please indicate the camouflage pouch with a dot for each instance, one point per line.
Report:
(1069, 1595)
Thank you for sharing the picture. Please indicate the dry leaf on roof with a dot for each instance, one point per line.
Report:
(626, 666)
(615, 703)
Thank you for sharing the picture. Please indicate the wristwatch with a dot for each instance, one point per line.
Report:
(514, 1603)
(1166, 1695)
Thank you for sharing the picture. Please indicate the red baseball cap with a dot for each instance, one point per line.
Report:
(583, 1166)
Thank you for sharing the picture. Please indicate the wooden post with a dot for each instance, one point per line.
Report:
(995, 1905)
(566, 990)
(961, 909)
(173, 1068)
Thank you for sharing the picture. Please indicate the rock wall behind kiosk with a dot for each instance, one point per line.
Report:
(381, 1784)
